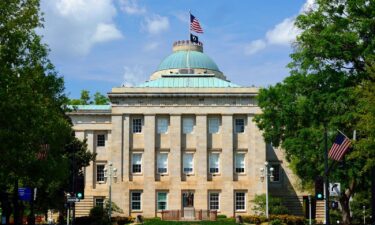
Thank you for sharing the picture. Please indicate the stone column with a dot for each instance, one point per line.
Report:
(148, 196)
(175, 163)
(126, 148)
(119, 194)
(116, 145)
(126, 163)
(256, 156)
(200, 162)
(91, 169)
(227, 165)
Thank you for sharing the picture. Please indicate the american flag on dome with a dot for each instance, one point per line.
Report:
(339, 147)
(194, 25)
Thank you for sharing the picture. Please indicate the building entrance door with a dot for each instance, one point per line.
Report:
(188, 205)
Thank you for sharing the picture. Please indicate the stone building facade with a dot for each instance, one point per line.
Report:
(184, 139)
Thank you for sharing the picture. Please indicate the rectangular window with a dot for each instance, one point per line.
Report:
(188, 163)
(276, 172)
(239, 125)
(162, 125)
(240, 162)
(136, 200)
(100, 173)
(100, 140)
(187, 125)
(214, 162)
(99, 202)
(213, 201)
(162, 200)
(162, 162)
(213, 125)
(137, 163)
(137, 125)
(240, 201)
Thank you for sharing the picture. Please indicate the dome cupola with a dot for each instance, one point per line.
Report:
(187, 58)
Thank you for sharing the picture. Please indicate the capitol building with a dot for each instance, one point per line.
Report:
(185, 139)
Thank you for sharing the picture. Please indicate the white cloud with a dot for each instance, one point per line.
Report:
(75, 26)
(151, 46)
(309, 5)
(133, 76)
(255, 46)
(131, 7)
(182, 16)
(283, 33)
(155, 24)
(106, 32)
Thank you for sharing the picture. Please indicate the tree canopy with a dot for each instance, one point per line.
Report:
(85, 99)
(326, 89)
(34, 129)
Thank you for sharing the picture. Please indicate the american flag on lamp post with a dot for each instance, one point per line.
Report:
(43, 151)
(339, 147)
(195, 25)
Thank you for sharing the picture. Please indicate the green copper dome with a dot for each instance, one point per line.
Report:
(188, 59)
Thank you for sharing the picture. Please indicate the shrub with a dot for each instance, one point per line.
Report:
(276, 222)
(254, 219)
(221, 216)
(97, 213)
(121, 220)
(98, 216)
(275, 205)
(83, 220)
(284, 219)
(289, 219)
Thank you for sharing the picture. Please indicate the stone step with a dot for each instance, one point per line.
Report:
(84, 206)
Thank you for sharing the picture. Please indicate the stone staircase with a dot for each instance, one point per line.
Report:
(294, 204)
(84, 206)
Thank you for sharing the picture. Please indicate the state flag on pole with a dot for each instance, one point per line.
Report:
(339, 147)
(194, 38)
(194, 25)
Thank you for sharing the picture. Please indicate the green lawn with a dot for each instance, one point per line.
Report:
(219, 222)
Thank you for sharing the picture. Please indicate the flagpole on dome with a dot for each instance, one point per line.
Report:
(189, 33)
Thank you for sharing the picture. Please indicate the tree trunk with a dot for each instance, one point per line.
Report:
(345, 213)
(344, 202)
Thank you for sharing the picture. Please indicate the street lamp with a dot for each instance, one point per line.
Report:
(68, 209)
(110, 173)
(264, 175)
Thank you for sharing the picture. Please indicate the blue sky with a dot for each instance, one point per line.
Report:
(100, 44)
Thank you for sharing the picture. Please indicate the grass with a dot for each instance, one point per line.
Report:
(157, 221)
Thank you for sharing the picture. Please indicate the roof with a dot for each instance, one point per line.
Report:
(188, 59)
(89, 107)
(188, 81)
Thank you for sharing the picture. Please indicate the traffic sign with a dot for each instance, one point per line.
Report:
(334, 189)
(24, 194)
(72, 199)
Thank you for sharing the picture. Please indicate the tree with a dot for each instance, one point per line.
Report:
(34, 129)
(76, 156)
(85, 99)
(327, 69)
(275, 205)
(100, 99)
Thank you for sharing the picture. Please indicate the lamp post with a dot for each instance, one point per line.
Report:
(364, 214)
(68, 210)
(110, 173)
(264, 175)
